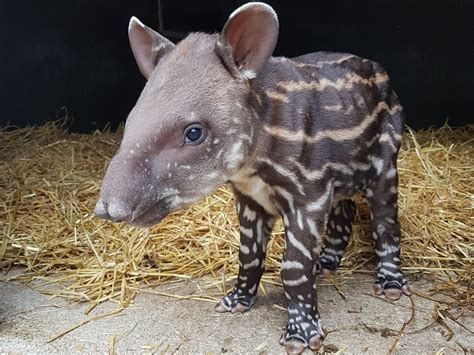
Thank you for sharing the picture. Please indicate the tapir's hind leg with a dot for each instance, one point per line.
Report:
(338, 231)
(255, 227)
(382, 199)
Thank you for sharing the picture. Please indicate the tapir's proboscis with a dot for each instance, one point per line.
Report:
(294, 138)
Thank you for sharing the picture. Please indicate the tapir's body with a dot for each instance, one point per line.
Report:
(334, 114)
(296, 138)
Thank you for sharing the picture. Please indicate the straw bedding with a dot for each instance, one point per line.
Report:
(50, 180)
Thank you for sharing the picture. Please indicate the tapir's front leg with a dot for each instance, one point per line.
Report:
(298, 271)
(255, 227)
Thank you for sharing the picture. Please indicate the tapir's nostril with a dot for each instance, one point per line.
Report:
(112, 211)
(118, 213)
(100, 210)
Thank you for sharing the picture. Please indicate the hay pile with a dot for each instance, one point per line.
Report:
(49, 185)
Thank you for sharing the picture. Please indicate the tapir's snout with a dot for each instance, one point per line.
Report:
(131, 193)
(127, 191)
(137, 216)
(113, 212)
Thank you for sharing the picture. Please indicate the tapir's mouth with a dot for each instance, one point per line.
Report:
(161, 209)
(152, 216)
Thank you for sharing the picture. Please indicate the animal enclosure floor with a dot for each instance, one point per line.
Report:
(158, 324)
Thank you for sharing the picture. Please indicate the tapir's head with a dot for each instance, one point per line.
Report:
(192, 127)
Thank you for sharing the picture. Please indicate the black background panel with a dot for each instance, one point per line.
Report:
(75, 54)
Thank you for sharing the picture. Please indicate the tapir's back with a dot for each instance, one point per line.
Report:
(331, 108)
(341, 88)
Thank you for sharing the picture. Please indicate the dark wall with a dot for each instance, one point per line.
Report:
(75, 53)
(68, 53)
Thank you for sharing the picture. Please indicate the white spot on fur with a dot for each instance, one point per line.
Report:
(246, 231)
(333, 108)
(249, 214)
(391, 172)
(334, 241)
(378, 164)
(389, 264)
(296, 282)
(385, 137)
(386, 249)
(244, 249)
(259, 231)
(289, 265)
(249, 74)
(381, 229)
(254, 263)
(333, 251)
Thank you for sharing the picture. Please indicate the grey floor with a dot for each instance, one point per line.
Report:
(157, 324)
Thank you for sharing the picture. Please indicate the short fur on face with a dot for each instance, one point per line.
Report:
(156, 171)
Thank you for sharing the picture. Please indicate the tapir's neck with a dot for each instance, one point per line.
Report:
(277, 107)
(271, 110)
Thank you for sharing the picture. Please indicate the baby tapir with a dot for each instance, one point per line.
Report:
(295, 138)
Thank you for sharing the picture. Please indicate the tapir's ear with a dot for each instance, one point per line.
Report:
(148, 46)
(248, 38)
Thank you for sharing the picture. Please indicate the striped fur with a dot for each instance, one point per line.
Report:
(329, 127)
(295, 138)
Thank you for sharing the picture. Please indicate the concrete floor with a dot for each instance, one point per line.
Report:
(157, 324)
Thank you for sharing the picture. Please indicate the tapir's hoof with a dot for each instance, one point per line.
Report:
(235, 302)
(294, 346)
(392, 293)
(221, 307)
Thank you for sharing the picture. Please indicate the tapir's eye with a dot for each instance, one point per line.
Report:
(194, 134)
